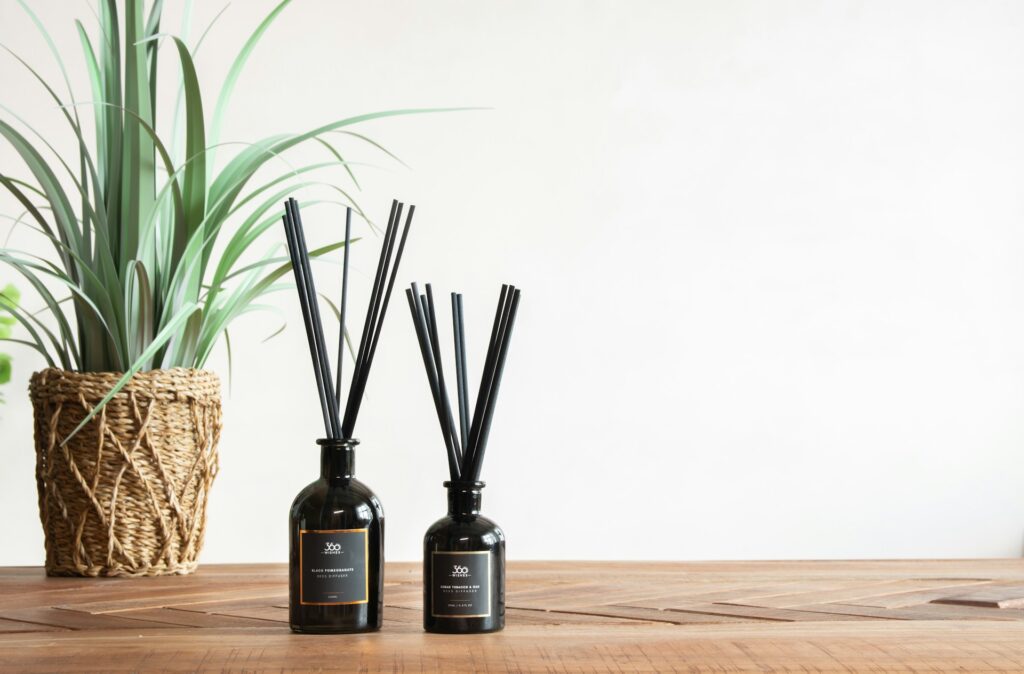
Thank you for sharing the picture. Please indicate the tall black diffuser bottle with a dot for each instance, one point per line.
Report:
(464, 567)
(337, 549)
(463, 552)
(336, 524)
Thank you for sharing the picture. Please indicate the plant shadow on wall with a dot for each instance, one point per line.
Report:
(133, 284)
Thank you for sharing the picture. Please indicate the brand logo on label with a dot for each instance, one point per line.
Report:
(332, 548)
(459, 571)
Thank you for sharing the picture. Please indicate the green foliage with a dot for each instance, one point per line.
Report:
(9, 297)
(133, 220)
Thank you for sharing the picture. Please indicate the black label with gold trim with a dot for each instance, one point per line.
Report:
(461, 584)
(333, 566)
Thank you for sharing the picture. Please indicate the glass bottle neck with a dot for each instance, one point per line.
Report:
(337, 459)
(464, 499)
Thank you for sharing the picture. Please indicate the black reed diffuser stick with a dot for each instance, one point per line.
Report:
(344, 303)
(379, 308)
(459, 329)
(495, 384)
(299, 271)
(423, 336)
(339, 426)
(314, 308)
(465, 464)
(486, 377)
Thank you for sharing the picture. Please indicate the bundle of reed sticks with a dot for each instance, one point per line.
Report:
(467, 440)
(338, 423)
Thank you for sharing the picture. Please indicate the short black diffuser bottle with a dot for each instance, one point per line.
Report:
(337, 549)
(464, 567)
(464, 552)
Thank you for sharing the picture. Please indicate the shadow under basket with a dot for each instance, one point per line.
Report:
(126, 496)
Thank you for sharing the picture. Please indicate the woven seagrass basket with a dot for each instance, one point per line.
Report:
(126, 496)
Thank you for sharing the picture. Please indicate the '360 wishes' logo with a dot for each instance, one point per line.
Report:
(459, 571)
(332, 548)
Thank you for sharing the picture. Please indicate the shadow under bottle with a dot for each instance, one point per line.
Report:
(464, 567)
(336, 561)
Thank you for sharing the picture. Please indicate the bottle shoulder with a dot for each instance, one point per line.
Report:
(491, 525)
(479, 530)
(321, 496)
(311, 490)
(361, 491)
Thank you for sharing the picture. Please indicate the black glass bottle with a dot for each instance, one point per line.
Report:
(336, 563)
(464, 567)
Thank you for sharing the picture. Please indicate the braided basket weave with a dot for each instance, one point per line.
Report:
(127, 495)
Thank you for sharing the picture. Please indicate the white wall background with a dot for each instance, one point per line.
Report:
(772, 257)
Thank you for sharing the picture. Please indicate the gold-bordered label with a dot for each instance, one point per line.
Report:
(365, 562)
(433, 585)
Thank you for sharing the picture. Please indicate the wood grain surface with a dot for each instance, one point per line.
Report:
(868, 616)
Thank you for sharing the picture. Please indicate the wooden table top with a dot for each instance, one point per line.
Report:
(884, 616)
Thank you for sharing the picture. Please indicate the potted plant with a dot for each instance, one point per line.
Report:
(126, 420)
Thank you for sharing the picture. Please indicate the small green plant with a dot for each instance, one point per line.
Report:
(9, 297)
(134, 221)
